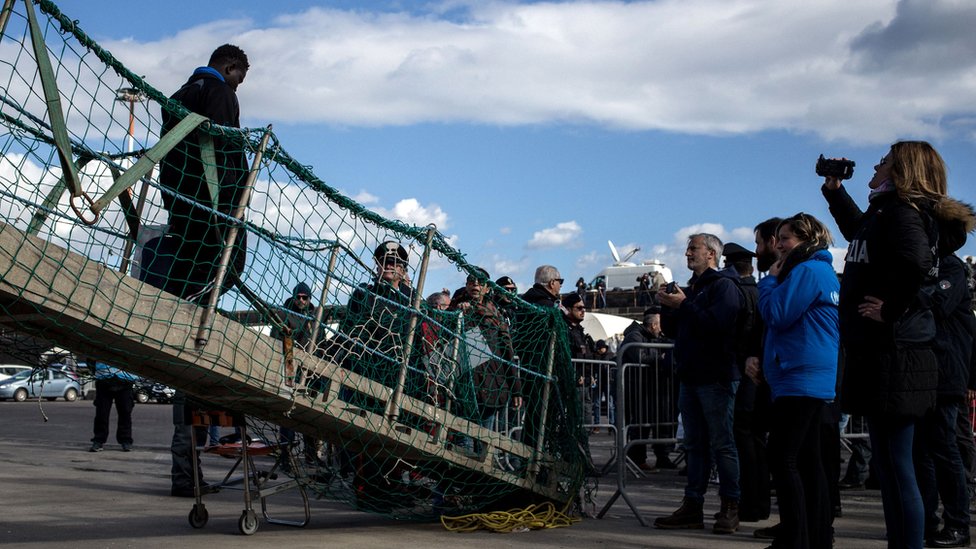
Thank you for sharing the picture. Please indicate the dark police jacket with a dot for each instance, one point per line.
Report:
(705, 346)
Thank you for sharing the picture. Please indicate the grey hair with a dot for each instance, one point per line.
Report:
(546, 273)
(712, 242)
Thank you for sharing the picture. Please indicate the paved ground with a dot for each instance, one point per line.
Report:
(54, 492)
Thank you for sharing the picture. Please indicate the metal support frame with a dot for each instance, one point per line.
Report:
(8, 7)
(544, 409)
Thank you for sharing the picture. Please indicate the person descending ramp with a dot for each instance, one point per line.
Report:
(390, 417)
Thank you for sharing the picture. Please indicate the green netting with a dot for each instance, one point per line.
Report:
(390, 394)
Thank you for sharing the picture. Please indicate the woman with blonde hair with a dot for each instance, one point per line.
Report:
(798, 304)
(890, 369)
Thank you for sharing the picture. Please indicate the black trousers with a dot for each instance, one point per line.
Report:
(750, 441)
(801, 484)
(109, 392)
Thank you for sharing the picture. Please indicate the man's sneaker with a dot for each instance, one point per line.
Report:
(688, 516)
(95, 447)
(126, 447)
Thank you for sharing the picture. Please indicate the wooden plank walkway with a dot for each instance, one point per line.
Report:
(82, 305)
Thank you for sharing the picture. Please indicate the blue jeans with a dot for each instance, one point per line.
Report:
(706, 413)
(891, 441)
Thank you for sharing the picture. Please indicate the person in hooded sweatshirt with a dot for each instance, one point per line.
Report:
(938, 463)
(798, 304)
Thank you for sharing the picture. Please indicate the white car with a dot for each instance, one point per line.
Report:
(49, 383)
(9, 370)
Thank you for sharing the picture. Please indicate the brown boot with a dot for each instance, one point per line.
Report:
(727, 520)
(688, 516)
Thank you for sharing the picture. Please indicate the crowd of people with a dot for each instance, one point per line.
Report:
(763, 370)
(889, 343)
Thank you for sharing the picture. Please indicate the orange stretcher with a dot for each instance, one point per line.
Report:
(256, 484)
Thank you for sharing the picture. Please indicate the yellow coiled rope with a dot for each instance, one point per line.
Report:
(533, 517)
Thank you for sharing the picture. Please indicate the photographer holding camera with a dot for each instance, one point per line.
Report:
(890, 371)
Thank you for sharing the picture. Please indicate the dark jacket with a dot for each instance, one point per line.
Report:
(889, 256)
(635, 333)
(496, 380)
(373, 330)
(182, 171)
(539, 295)
(705, 343)
(648, 388)
(580, 344)
(750, 341)
(951, 301)
(300, 323)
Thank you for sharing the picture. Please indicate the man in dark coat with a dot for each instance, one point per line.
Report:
(298, 324)
(748, 426)
(545, 291)
(938, 464)
(705, 351)
(650, 390)
(184, 261)
(580, 347)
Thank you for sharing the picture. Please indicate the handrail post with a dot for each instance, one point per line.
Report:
(206, 319)
(544, 409)
(319, 312)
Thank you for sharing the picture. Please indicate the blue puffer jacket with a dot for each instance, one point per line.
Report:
(802, 333)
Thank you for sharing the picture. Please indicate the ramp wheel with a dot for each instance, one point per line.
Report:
(198, 515)
(248, 523)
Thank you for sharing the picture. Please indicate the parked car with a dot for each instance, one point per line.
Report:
(145, 390)
(9, 370)
(49, 383)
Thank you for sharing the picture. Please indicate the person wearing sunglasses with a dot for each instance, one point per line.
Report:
(546, 290)
(503, 299)
(297, 315)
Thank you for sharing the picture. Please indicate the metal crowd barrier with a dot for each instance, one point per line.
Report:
(642, 397)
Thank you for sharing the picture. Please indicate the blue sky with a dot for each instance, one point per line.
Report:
(533, 132)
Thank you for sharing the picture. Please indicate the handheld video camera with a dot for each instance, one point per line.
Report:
(671, 288)
(841, 169)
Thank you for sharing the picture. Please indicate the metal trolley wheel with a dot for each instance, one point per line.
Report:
(198, 515)
(248, 523)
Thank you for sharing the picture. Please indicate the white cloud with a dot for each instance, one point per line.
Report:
(409, 210)
(584, 262)
(505, 230)
(673, 253)
(565, 234)
(695, 66)
(365, 197)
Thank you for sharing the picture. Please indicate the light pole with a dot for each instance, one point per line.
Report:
(130, 96)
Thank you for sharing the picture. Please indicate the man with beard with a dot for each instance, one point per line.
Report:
(706, 321)
(751, 399)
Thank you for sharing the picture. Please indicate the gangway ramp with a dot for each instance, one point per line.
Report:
(95, 311)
